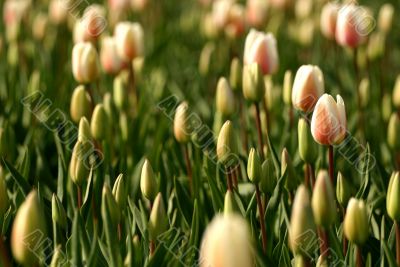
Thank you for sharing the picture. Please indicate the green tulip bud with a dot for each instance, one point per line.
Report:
(230, 205)
(253, 83)
(148, 182)
(300, 261)
(81, 104)
(114, 210)
(79, 164)
(386, 107)
(182, 130)
(323, 201)
(396, 93)
(4, 200)
(268, 176)
(302, 229)
(28, 231)
(355, 224)
(226, 145)
(119, 191)
(287, 88)
(288, 169)
(307, 146)
(364, 92)
(99, 123)
(120, 91)
(393, 131)
(158, 222)
(205, 58)
(225, 100)
(84, 133)
(393, 197)
(235, 77)
(254, 170)
(322, 262)
(343, 190)
(57, 212)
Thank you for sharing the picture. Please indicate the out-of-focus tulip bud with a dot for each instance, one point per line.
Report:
(254, 170)
(393, 197)
(109, 200)
(205, 58)
(4, 200)
(230, 205)
(385, 17)
(59, 258)
(328, 20)
(79, 166)
(353, 25)
(158, 222)
(323, 200)
(343, 190)
(396, 93)
(225, 100)
(376, 45)
(299, 261)
(99, 123)
(236, 21)
(328, 122)
(119, 191)
(322, 262)
(307, 147)
(119, 5)
(261, 48)
(91, 25)
(303, 8)
(39, 26)
(386, 106)
(58, 11)
(208, 27)
(84, 133)
(253, 83)
(57, 212)
(256, 12)
(139, 5)
(28, 231)
(393, 131)
(355, 224)
(182, 127)
(302, 230)
(308, 86)
(124, 126)
(109, 58)
(268, 176)
(220, 13)
(235, 78)
(148, 182)
(364, 92)
(85, 65)
(14, 13)
(287, 87)
(81, 104)
(129, 40)
(226, 145)
(288, 169)
(120, 91)
(220, 247)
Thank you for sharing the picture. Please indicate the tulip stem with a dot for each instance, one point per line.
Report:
(344, 237)
(397, 225)
(259, 132)
(243, 123)
(312, 174)
(79, 192)
(152, 247)
(331, 169)
(262, 224)
(119, 229)
(228, 179)
(324, 243)
(359, 260)
(4, 255)
(307, 175)
(188, 167)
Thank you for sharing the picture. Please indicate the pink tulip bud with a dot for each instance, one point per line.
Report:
(129, 40)
(256, 12)
(328, 20)
(91, 25)
(261, 48)
(85, 65)
(58, 11)
(220, 13)
(308, 86)
(119, 5)
(352, 25)
(109, 58)
(328, 122)
(236, 21)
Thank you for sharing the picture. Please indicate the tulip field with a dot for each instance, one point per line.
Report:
(199, 133)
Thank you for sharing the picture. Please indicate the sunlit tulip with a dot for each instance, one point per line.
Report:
(385, 18)
(328, 20)
(109, 58)
(261, 48)
(91, 25)
(256, 12)
(85, 65)
(182, 128)
(328, 123)
(308, 86)
(58, 11)
(129, 40)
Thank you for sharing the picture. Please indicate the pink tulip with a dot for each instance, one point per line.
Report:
(119, 5)
(328, 20)
(58, 11)
(256, 12)
(308, 86)
(236, 21)
(220, 13)
(109, 58)
(85, 62)
(328, 122)
(129, 40)
(91, 25)
(261, 48)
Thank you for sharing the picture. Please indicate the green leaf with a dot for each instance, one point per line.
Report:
(21, 182)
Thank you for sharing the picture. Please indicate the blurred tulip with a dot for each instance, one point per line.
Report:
(393, 197)
(226, 145)
(225, 100)
(308, 86)
(99, 124)
(230, 205)
(158, 222)
(109, 58)
(91, 25)
(235, 78)
(236, 21)
(81, 104)
(329, 15)
(84, 133)
(119, 5)
(182, 127)
(148, 182)
(129, 40)
(256, 12)
(393, 131)
(323, 200)
(261, 48)
(385, 17)
(303, 8)
(328, 122)
(355, 224)
(139, 5)
(253, 83)
(396, 93)
(14, 11)
(220, 13)
(281, 4)
(58, 11)
(85, 65)
(287, 87)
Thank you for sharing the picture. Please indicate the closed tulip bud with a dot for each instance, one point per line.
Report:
(308, 86)
(99, 123)
(322, 262)
(39, 26)
(254, 170)
(81, 104)
(119, 191)
(323, 201)
(393, 197)
(85, 65)
(300, 261)
(376, 46)
(57, 212)
(124, 126)
(385, 17)
(79, 166)
(256, 12)
(57, 12)
(329, 15)
(129, 40)
(225, 100)
(302, 229)
(307, 147)
(226, 145)
(303, 8)
(268, 177)
(91, 25)
(108, 201)
(227, 241)
(236, 22)
(328, 122)
(108, 105)
(182, 127)
(396, 93)
(352, 25)
(287, 87)
(230, 205)
(288, 169)
(84, 130)
(120, 91)
(364, 92)
(393, 131)
(118, 6)
(386, 107)
(261, 48)
(4, 200)
(28, 231)
(59, 258)
(343, 190)
(205, 58)
(110, 60)
(148, 182)
(158, 222)
(253, 83)
(235, 78)
(355, 224)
